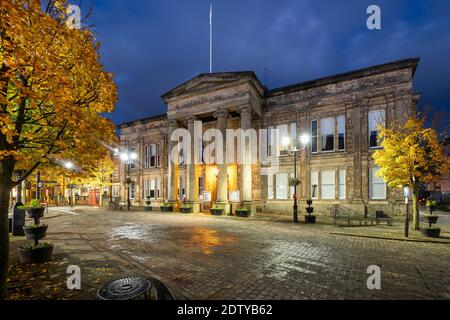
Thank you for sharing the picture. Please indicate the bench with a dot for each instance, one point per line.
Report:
(381, 216)
(341, 213)
(115, 205)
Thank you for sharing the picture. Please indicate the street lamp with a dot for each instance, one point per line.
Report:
(304, 139)
(69, 166)
(406, 196)
(127, 157)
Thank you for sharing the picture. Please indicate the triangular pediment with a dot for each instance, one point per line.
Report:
(211, 82)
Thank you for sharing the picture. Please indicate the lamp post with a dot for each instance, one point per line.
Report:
(304, 139)
(406, 196)
(69, 166)
(127, 157)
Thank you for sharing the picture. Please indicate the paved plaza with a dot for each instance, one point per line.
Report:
(208, 257)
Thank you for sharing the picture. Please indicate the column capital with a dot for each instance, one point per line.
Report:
(172, 124)
(221, 113)
(191, 119)
(245, 111)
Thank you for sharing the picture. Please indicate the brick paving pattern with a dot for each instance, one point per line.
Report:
(205, 257)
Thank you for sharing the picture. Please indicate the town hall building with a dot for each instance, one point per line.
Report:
(341, 115)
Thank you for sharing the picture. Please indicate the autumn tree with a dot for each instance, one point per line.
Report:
(53, 92)
(411, 156)
(98, 176)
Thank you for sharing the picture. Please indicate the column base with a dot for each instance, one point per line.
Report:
(195, 206)
(225, 205)
(174, 204)
(251, 206)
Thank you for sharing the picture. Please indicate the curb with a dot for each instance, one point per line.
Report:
(386, 238)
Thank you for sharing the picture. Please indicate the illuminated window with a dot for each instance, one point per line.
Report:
(377, 186)
(342, 184)
(328, 184)
(282, 186)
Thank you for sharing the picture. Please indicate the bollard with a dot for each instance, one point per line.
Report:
(18, 220)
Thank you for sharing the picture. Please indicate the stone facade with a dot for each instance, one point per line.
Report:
(337, 112)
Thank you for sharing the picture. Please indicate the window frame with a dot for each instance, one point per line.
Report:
(372, 174)
(344, 132)
(378, 143)
(324, 186)
(316, 173)
(342, 182)
(321, 135)
(278, 186)
(314, 137)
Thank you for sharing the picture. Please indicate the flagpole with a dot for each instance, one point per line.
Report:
(210, 38)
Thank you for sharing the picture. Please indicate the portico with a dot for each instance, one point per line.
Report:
(221, 101)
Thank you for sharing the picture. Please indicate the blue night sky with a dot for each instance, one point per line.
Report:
(153, 46)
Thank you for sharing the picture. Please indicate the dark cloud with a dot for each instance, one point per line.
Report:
(152, 46)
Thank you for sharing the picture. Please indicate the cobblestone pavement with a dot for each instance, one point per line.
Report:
(206, 257)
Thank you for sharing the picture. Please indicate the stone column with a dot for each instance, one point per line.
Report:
(222, 173)
(191, 184)
(173, 166)
(246, 167)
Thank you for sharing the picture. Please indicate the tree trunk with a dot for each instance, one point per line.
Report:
(5, 190)
(416, 215)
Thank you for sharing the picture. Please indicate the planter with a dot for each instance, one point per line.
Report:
(216, 211)
(243, 213)
(431, 219)
(35, 212)
(37, 255)
(309, 210)
(148, 209)
(186, 210)
(309, 202)
(36, 233)
(166, 208)
(432, 232)
(310, 219)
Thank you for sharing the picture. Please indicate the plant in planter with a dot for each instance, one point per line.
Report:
(166, 207)
(216, 211)
(148, 202)
(431, 231)
(35, 210)
(185, 208)
(35, 252)
(242, 212)
(294, 182)
(310, 218)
